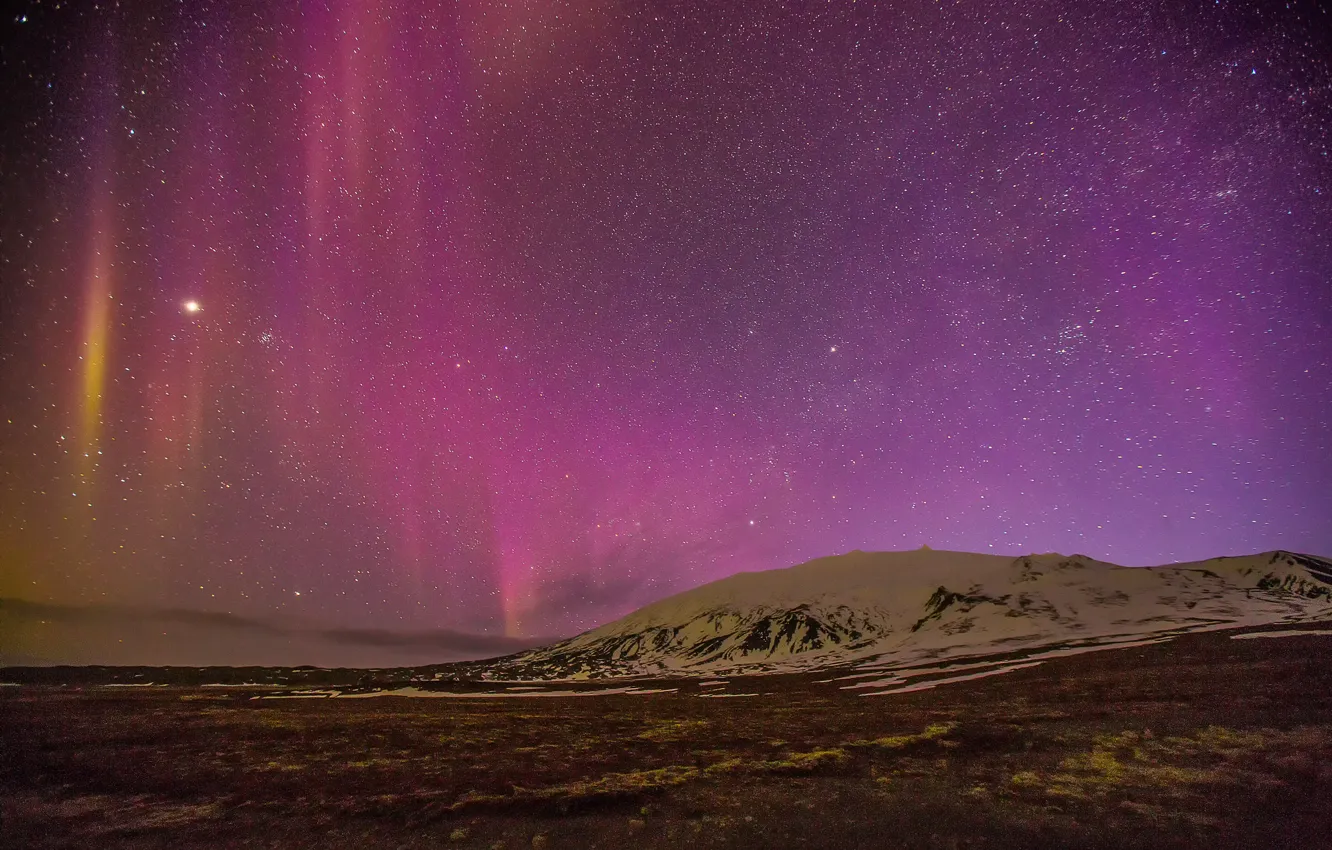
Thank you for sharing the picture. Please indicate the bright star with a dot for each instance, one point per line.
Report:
(192, 306)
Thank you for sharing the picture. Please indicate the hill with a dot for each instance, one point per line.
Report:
(900, 607)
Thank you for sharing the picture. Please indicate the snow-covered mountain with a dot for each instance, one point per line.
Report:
(900, 607)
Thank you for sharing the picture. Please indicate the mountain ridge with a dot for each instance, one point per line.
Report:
(904, 606)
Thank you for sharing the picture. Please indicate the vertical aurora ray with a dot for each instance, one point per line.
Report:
(98, 304)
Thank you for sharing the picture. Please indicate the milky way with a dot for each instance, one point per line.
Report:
(511, 318)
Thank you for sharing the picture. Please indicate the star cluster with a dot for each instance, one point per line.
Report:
(511, 317)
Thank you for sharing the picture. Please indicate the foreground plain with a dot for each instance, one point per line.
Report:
(1202, 741)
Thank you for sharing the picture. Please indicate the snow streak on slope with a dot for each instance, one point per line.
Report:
(892, 608)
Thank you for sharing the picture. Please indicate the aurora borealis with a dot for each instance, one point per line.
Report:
(510, 318)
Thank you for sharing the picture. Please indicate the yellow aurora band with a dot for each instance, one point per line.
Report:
(98, 302)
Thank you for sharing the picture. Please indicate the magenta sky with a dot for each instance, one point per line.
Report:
(513, 318)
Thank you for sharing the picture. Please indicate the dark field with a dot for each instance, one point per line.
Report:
(1202, 742)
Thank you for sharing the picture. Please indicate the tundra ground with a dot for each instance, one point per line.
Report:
(1201, 742)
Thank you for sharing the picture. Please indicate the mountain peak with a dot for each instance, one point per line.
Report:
(927, 603)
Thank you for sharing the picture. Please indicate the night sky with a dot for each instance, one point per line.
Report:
(508, 318)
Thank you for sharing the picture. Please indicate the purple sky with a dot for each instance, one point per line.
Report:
(512, 318)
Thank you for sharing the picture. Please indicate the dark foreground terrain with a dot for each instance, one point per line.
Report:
(1201, 742)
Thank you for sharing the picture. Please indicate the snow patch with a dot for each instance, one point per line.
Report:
(1282, 633)
(925, 686)
(509, 694)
